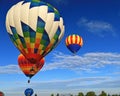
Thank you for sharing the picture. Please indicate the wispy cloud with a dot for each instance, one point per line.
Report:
(73, 85)
(89, 62)
(10, 69)
(97, 27)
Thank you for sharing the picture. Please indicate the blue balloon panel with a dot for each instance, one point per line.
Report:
(28, 92)
(74, 48)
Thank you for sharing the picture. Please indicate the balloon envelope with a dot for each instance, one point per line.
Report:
(74, 43)
(35, 28)
(28, 92)
(28, 68)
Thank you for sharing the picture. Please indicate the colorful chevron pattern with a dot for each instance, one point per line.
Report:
(35, 27)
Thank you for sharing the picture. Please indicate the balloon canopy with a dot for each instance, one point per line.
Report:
(28, 68)
(74, 43)
(28, 92)
(35, 28)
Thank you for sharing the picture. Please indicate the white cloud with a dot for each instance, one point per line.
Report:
(70, 82)
(88, 62)
(9, 69)
(71, 85)
(99, 28)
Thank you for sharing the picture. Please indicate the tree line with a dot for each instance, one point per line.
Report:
(90, 93)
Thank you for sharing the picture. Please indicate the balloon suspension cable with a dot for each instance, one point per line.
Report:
(74, 53)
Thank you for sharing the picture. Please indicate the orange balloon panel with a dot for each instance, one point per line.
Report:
(74, 42)
(28, 68)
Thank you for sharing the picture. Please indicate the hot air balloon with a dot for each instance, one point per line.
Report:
(74, 43)
(28, 68)
(1, 94)
(35, 28)
(28, 92)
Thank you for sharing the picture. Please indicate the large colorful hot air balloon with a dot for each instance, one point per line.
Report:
(28, 68)
(28, 92)
(35, 28)
(74, 43)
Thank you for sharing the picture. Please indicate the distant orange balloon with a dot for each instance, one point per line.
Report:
(28, 68)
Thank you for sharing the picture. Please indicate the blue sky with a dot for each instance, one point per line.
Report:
(95, 67)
